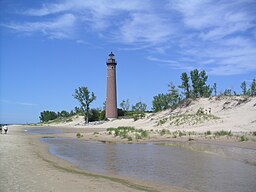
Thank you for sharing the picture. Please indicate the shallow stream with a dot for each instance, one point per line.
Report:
(166, 163)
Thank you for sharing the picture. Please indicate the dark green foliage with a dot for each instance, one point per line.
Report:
(174, 96)
(120, 112)
(208, 133)
(215, 89)
(199, 79)
(82, 94)
(195, 83)
(78, 111)
(198, 88)
(79, 135)
(161, 102)
(47, 116)
(223, 133)
(94, 115)
(253, 88)
(243, 138)
(63, 114)
(244, 88)
(185, 84)
(102, 115)
(166, 101)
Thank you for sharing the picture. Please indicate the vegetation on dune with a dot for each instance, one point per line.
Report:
(129, 133)
(193, 85)
(188, 119)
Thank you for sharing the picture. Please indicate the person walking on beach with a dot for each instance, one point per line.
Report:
(5, 128)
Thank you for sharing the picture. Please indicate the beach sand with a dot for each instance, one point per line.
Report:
(26, 165)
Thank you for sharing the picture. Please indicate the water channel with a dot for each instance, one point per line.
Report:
(166, 164)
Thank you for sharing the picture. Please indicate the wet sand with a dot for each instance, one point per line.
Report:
(26, 165)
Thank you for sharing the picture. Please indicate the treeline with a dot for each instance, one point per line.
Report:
(193, 85)
(95, 115)
(98, 114)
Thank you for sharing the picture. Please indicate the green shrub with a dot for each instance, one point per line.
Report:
(164, 131)
(144, 134)
(162, 121)
(129, 138)
(223, 133)
(69, 120)
(243, 138)
(136, 117)
(79, 135)
(138, 136)
(182, 134)
(207, 133)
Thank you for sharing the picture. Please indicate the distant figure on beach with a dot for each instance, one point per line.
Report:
(1, 129)
(5, 128)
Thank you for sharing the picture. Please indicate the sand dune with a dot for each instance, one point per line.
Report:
(236, 113)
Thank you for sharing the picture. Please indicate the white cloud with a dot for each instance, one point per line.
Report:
(145, 28)
(98, 8)
(18, 103)
(218, 35)
(60, 28)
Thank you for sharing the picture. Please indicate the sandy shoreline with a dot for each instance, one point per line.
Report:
(26, 165)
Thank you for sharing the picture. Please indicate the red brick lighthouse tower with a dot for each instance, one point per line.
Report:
(111, 102)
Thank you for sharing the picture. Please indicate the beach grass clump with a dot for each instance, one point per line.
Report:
(69, 120)
(243, 138)
(137, 136)
(129, 138)
(207, 133)
(128, 133)
(162, 121)
(79, 135)
(145, 134)
(191, 119)
(164, 132)
(223, 133)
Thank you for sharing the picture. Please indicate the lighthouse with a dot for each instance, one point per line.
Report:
(111, 101)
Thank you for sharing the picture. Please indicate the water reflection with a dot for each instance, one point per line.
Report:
(43, 131)
(158, 163)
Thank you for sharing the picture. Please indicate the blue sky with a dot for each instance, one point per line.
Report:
(49, 48)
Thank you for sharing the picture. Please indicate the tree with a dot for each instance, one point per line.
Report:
(253, 87)
(47, 116)
(185, 85)
(161, 102)
(140, 108)
(125, 105)
(173, 94)
(200, 89)
(215, 89)
(78, 111)
(82, 94)
(195, 82)
(63, 114)
(228, 92)
(244, 88)
(95, 115)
